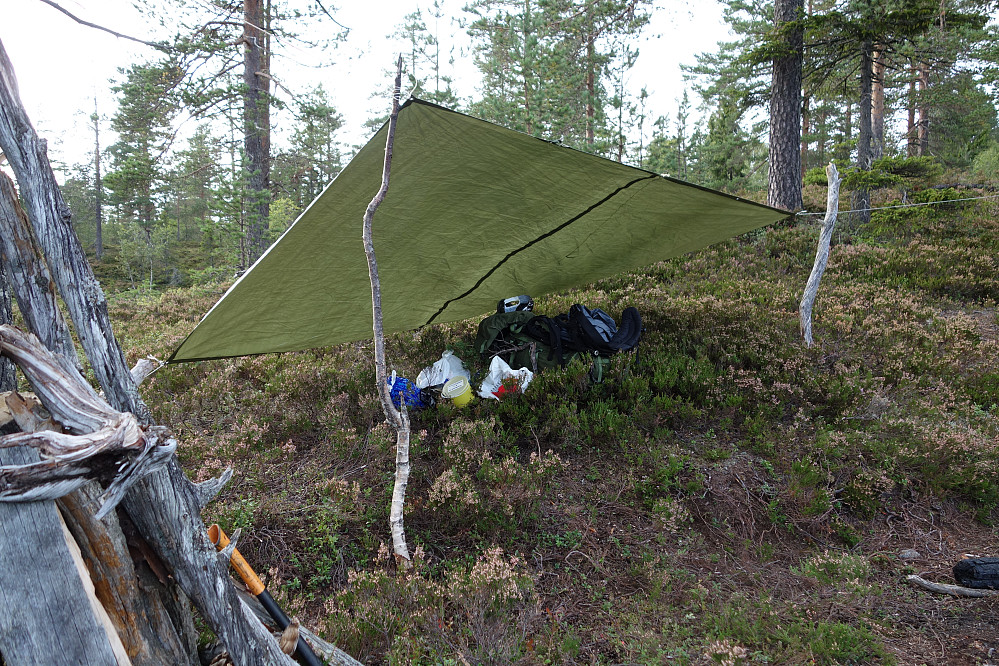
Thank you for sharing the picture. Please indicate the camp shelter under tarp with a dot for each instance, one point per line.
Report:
(474, 213)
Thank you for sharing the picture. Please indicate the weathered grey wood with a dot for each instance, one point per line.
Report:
(163, 505)
(141, 620)
(8, 375)
(45, 613)
(821, 255)
(29, 276)
(326, 651)
(207, 490)
(102, 443)
(51, 223)
(151, 641)
(181, 540)
(145, 367)
(946, 588)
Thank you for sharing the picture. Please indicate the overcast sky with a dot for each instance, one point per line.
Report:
(61, 66)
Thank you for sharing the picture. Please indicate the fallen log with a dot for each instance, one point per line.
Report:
(946, 588)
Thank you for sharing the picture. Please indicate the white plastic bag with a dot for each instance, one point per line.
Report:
(492, 385)
(447, 367)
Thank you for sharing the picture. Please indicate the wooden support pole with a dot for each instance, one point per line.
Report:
(397, 418)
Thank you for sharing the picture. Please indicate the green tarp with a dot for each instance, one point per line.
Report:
(474, 213)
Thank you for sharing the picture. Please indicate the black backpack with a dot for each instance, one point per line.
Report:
(595, 331)
(538, 342)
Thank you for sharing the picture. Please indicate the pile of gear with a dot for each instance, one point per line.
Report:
(520, 343)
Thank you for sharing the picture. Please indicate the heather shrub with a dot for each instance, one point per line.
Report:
(481, 612)
(688, 509)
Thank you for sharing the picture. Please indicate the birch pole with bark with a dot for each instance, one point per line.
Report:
(397, 418)
(821, 255)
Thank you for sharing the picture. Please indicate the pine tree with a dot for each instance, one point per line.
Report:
(314, 157)
(546, 66)
(146, 108)
(218, 40)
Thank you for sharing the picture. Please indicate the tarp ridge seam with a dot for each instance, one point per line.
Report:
(540, 238)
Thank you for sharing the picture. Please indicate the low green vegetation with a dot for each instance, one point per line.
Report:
(727, 495)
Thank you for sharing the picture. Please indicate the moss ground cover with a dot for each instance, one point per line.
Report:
(725, 496)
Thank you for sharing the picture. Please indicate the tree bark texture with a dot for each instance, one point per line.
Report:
(806, 129)
(29, 277)
(912, 140)
(164, 505)
(591, 92)
(46, 615)
(862, 196)
(923, 123)
(878, 106)
(52, 223)
(784, 182)
(256, 127)
(821, 255)
(8, 375)
(397, 418)
(131, 591)
(138, 614)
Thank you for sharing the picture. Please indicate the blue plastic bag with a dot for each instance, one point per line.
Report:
(403, 390)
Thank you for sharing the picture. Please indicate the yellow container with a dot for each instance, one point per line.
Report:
(459, 390)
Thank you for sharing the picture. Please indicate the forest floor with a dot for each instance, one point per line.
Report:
(727, 495)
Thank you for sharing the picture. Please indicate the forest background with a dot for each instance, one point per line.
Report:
(174, 188)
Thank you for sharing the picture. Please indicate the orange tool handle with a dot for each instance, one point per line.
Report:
(249, 576)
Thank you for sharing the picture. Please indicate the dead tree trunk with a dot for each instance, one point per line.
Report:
(8, 376)
(165, 506)
(397, 418)
(821, 255)
(140, 614)
(46, 612)
(29, 276)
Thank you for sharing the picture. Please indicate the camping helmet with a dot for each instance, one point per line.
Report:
(515, 304)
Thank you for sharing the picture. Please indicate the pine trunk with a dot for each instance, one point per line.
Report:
(923, 124)
(862, 196)
(591, 91)
(806, 128)
(878, 107)
(256, 127)
(784, 183)
(912, 140)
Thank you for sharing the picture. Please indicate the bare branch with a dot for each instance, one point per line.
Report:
(207, 490)
(397, 418)
(145, 367)
(160, 46)
(108, 443)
